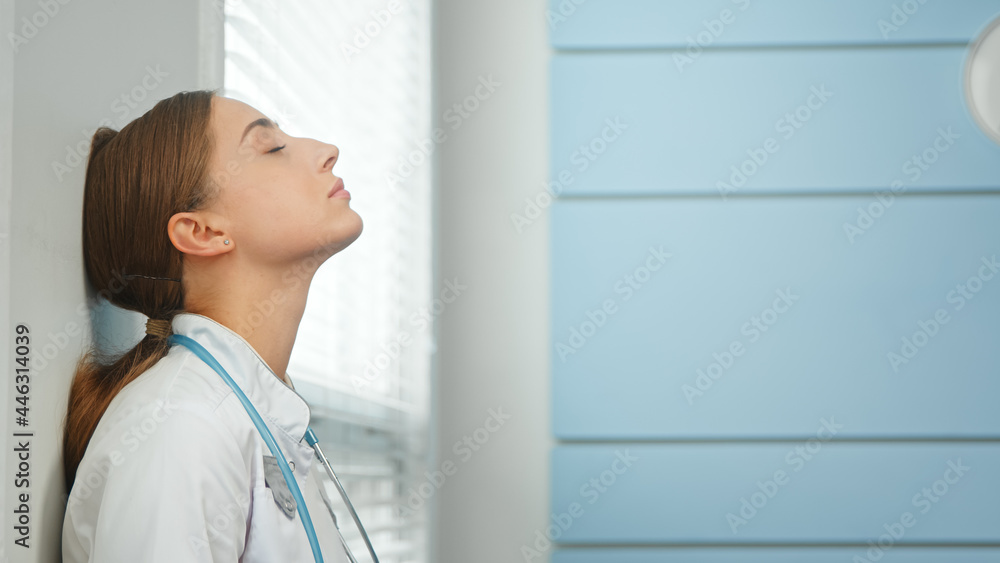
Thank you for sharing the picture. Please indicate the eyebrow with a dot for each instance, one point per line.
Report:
(262, 122)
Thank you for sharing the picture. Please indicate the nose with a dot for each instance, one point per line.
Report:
(328, 157)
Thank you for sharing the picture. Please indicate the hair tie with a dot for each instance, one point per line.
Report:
(160, 328)
(130, 276)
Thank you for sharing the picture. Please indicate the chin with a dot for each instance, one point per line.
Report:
(346, 233)
(357, 228)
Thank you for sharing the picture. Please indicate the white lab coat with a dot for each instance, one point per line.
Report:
(175, 469)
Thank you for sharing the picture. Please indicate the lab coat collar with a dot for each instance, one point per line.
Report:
(272, 397)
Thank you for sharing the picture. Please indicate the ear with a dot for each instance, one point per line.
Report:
(198, 233)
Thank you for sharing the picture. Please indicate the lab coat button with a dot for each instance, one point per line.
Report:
(291, 465)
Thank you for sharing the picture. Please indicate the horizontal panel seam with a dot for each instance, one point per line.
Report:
(673, 48)
(913, 192)
(735, 545)
(723, 441)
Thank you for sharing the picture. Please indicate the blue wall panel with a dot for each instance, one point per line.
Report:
(684, 23)
(825, 354)
(705, 130)
(840, 493)
(698, 185)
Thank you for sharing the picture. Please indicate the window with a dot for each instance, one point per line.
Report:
(357, 74)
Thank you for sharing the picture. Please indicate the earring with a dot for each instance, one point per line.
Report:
(226, 241)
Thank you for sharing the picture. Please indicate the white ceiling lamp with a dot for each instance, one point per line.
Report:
(982, 80)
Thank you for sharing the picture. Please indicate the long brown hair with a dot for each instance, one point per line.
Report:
(136, 179)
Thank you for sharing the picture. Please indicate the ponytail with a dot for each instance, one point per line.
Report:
(136, 179)
(96, 383)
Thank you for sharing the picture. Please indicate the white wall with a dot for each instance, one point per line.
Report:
(493, 341)
(71, 74)
(6, 122)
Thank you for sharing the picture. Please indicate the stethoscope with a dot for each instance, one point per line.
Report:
(293, 486)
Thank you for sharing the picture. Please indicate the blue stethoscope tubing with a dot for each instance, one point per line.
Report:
(272, 445)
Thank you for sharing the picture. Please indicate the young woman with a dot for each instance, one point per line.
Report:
(207, 218)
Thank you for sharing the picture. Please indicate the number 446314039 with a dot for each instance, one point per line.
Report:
(22, 350)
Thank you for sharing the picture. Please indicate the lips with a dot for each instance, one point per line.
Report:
(336, 187)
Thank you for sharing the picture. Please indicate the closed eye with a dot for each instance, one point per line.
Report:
(276, 149)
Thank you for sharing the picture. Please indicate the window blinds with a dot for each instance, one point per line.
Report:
(357, 74)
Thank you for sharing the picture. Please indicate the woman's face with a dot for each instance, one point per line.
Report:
(274, 189)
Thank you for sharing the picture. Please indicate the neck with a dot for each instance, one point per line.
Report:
(266, 313)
